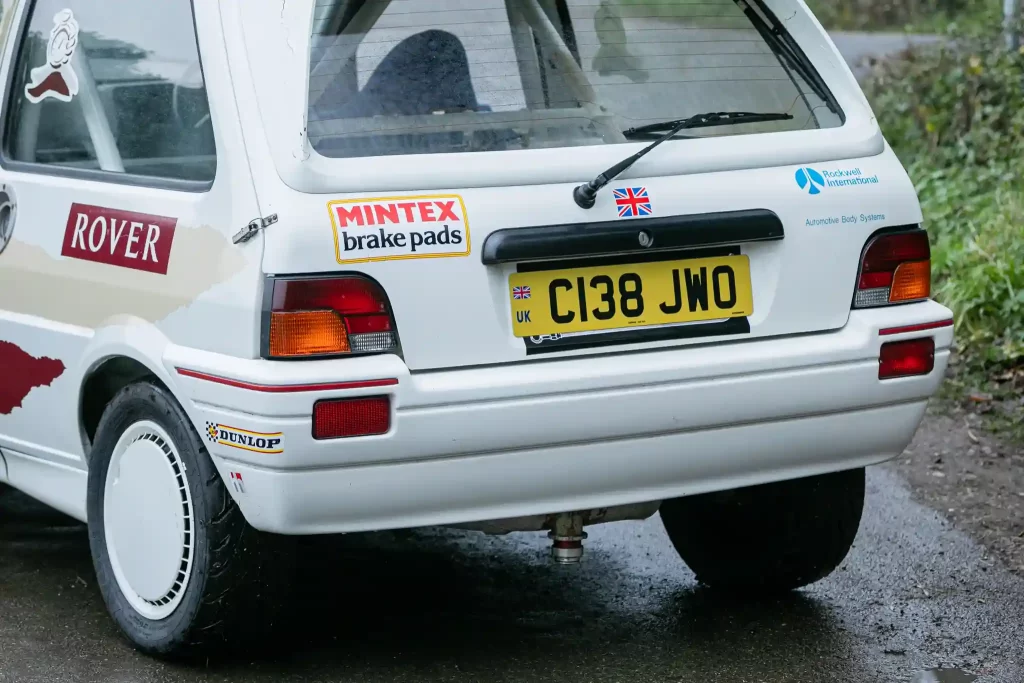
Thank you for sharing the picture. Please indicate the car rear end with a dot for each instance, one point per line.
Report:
(448, 338)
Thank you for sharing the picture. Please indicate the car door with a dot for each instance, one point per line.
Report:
(124, 176)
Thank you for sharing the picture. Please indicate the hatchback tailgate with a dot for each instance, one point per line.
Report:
(497, 275)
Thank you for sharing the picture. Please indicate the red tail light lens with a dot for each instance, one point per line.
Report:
(328, 316)
(896, 268)
(348, 417)
(906, 358)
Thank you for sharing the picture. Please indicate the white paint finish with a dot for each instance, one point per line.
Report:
(147, 534)
(461, 314)
(55, 306)
(575, 477)
(549, 404)
(46, 424)
(58, 485)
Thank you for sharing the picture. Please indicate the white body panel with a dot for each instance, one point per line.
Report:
(804, 282)
(479, 444)
(83, 313)
(479, 431)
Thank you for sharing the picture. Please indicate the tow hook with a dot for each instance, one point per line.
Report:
(567, 538)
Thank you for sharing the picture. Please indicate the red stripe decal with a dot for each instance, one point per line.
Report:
(286, 388)
(915, 328)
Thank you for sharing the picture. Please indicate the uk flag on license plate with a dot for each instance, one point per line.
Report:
(632, 202)
(520, 292)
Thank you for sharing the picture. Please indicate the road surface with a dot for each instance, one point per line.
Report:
(858, 48)
(451, 606)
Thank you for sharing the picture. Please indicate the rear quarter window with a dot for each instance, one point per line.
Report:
(135, 101)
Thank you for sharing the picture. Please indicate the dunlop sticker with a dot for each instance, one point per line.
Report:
(395, 228)
(256, 442)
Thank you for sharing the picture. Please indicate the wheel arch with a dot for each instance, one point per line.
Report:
(120, 353)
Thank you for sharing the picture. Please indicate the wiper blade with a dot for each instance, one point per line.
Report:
(585, 195)
(720, 118)
(786, 49)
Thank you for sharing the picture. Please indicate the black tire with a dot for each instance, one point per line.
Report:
(769, 538)
(238, 575)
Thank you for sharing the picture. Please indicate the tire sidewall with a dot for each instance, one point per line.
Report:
(138, 402)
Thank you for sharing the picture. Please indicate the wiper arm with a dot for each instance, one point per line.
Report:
(722, 118)
(782, 44)
(585, 195)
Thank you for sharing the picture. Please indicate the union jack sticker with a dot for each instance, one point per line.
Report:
(632, 202)
(520, 292)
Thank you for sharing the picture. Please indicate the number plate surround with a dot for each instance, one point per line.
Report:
(532, 314)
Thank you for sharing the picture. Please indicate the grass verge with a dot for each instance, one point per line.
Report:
(911, 16)
(954, 113)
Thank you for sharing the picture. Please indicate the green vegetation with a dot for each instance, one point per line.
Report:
(913, 16)
(955, 116)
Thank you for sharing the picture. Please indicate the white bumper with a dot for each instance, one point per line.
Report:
(550, 436)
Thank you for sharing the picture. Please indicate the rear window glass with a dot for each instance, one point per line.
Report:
(436, 76)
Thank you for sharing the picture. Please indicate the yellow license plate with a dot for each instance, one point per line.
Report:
(632, 295)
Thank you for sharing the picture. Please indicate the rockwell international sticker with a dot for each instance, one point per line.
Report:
(393, 228)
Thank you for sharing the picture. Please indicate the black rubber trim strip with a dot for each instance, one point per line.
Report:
(652, 256)
(510, 245)
(639, 336)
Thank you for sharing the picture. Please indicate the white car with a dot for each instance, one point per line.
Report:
(509, 265)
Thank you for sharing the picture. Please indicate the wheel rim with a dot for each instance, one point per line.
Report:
(148, 520)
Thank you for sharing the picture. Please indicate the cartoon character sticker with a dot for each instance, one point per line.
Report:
(56, 78)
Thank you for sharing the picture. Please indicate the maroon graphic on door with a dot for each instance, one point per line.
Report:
(119, 238)
(21, 373)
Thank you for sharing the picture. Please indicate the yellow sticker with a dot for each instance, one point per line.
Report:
(631, 295)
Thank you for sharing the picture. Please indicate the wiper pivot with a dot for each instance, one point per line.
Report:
(585, 195)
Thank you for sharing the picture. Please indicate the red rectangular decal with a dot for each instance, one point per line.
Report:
(119, 238)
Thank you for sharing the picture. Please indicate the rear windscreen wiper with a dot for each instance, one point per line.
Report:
(786, 49)
(585, 195)
(723, 118)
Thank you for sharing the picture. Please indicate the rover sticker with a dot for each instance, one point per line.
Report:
(20, 373)
(257, 442)
(56, 78)
(127, 239)
(394, 228)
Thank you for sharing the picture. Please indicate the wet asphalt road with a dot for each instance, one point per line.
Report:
(438, 605)
(858, 48)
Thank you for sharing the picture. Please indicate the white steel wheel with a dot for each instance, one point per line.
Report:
(179, 568)
(148, 520)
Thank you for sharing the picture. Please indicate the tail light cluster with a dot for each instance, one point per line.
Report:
(330, 316)
(895, 269)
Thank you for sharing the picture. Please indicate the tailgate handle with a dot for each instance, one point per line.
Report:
(639, 235)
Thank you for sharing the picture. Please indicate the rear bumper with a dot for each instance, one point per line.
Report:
(540, 437)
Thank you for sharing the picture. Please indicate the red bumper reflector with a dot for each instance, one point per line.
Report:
(340, 418)
(906, 358)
